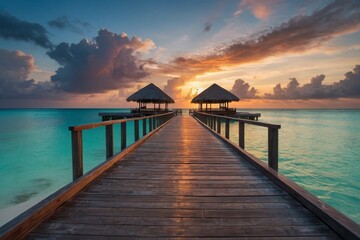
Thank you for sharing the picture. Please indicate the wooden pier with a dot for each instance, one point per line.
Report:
(184, 181)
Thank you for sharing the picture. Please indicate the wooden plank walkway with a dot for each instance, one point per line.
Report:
(183, 183)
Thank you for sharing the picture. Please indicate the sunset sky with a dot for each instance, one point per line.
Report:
(270, 53)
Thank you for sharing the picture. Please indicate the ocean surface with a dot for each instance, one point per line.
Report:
(318, 149)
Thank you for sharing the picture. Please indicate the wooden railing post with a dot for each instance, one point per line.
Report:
(218, 129)
(150, 124)
(214, 122)
(273, 148)
(123, 135)
(227, 129)
(77, 144)
(242, 135)
(144, 126)
(136, 130)
(109, 139)
(77, 153)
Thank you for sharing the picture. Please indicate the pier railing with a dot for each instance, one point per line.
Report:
(214, 122)
(154, 122)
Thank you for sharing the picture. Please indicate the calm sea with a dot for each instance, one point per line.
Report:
(319, 149)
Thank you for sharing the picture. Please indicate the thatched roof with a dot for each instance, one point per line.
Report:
(150, 94)
(215, 94)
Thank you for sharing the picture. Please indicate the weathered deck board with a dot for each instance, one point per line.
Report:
(183, 183)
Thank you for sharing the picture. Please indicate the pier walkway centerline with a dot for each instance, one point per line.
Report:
(182, 182)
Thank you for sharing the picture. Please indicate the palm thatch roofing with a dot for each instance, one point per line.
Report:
(150, 94)
(215, 94)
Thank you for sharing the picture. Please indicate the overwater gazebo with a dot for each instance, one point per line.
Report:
(150, 94)
(215, 95)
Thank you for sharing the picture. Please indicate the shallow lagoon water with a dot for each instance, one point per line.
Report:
(319, 149)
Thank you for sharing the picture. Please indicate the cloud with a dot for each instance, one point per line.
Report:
(242, 90)
(15, 67)
(349, 87)
(261, 9)
(14, 28)
(63, 23)
(110, 62)
(298, 35)
(219, 9)
(173, 87)
(207, 27)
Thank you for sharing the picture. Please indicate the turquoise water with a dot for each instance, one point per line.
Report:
(319, 149)
(35, 153)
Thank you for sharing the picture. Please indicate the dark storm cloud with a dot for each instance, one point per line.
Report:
(349, 87)
(111, 61)
(64, 23)
(243, 90)
(14, 28)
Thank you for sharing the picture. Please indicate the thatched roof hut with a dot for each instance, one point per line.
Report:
(150, 94)
(215, 94)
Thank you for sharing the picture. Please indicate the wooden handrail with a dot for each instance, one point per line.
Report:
(252, 122)
(154, 122)
(213, 121)
(104, 123)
